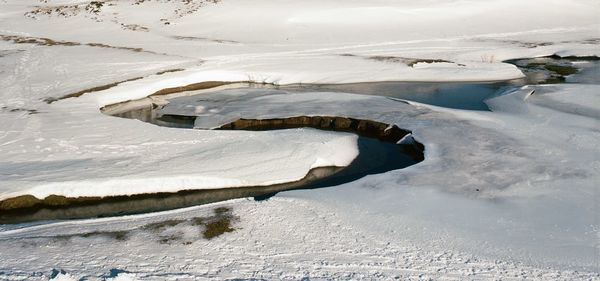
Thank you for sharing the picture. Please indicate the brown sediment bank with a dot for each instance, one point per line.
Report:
(50, 100)
(194, 87)
(29, 208)
(167, 91)
(362, 127)
(204, 86)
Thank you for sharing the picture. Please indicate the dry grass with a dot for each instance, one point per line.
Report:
(41, 41)
(211, 227)
(50, 100)
(218, 227)
(222, 210)
(37, 41)
(193, 38)
(19, 109)
(408, 61)
(159, 226)
(117, 235)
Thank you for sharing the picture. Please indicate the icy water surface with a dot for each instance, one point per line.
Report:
(468, 96)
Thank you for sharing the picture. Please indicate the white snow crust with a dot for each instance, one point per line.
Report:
(509, 194)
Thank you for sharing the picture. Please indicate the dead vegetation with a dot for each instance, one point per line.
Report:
(184, 7)
(551, 69)
(66, 11)
(408, 61)
(116, 235)
(403, 60)
(530, 45)
(218, 227)
(162, 225)
(41, 41)
(193, 38)
(194, 87)
(134, 27)
(169, 71)
(100, 45)
(50, 100)
(19, 109)
(5, 53)
(61, 10)
(524, 44)
(593, 41)
(210, 226)
(170, 232)
(94, 10)
(218, 224)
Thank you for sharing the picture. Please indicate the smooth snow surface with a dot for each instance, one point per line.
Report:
(508, 194)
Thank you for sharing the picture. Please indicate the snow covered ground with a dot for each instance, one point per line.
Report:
(507, 194)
